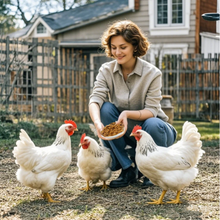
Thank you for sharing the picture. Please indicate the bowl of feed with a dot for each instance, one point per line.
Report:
(112, 131)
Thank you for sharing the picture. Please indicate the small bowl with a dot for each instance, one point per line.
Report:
(109, 138)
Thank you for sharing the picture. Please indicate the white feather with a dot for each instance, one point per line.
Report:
(41, 166)
(173, 167)
(94, 163)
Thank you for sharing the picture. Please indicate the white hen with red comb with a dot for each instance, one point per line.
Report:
(94, 162)
(41, 166)
(170, 168)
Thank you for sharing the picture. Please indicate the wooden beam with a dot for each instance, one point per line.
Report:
(197, 36)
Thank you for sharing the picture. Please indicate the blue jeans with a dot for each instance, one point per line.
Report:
(162, 132)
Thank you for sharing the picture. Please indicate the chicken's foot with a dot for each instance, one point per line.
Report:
(177, 200)
(48, 197)
(160, 200)
(87, 188)
(104, 187)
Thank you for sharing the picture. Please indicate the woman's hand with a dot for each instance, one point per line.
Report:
(123, 119)
(99, 127)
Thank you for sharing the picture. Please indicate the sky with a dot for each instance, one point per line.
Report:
(31, 7)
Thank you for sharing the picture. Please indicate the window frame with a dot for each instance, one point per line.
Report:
(44, 28)
(175, 29)
(169, 17)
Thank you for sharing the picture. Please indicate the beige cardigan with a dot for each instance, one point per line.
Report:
(142, 90)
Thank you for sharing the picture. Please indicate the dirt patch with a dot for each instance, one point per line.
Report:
(200, 199)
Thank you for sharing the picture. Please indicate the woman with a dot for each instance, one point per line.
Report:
(128, 90)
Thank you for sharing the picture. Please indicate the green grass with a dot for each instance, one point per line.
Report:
(45, 134)
(209, 131)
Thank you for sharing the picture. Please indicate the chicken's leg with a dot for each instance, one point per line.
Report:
(87, 188)
(160, 200)
(177, 200)
(48, 197)
(104, 186)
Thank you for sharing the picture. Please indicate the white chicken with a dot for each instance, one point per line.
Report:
(170, 168)
(41, 166)
(93, 161)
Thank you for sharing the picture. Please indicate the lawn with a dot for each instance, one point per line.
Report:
(209, 131)
(200, 199)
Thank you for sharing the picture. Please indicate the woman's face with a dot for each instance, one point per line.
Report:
(122, 50)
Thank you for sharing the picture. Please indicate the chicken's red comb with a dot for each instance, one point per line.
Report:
(137, 127)
(70, 122)
(82, 138)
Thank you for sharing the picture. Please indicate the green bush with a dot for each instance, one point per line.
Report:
(45, 133)
(9, 130)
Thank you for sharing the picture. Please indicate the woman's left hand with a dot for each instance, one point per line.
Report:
(123, 119)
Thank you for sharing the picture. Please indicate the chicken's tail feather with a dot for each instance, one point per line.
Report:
(93, 129)
(191, 136)
(190, 132)
(24, 150)
(24, 136)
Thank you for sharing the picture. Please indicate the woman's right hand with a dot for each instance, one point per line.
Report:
(99, 127)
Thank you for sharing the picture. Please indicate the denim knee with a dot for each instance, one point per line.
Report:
(160, 131)
(106, 108)
(152, 125)
(109, 113)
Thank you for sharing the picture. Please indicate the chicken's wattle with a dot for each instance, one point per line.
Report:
(85, 146)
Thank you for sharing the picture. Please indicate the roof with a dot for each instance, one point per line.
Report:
(80, 16)
(21, 32)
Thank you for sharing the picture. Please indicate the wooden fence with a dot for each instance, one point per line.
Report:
(193, 82)
(39, 80)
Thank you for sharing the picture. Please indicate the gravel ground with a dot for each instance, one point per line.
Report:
(200, 199)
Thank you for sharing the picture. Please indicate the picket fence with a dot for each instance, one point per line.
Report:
(39, 80)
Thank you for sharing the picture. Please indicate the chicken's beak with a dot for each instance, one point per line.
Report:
(132, 134)
(80, 144)
(75, 129)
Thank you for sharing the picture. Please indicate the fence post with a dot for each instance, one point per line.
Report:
(7, 72)
(210, 85)
(55, 77)
(179, 59)
(34, 76)
(197, 58)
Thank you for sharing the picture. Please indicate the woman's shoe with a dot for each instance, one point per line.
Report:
(126, 178)
(146, 183)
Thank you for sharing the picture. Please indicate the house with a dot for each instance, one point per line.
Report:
(172, 27)
(209, 30)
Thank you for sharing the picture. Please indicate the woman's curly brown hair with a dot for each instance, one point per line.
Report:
(130, 32)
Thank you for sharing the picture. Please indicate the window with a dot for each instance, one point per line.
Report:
(162, 12)
(169, 12)
(169, 17)
(177, 12)
(41, 29)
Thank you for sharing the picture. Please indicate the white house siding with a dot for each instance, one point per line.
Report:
(182, 43)
(210, 44)
(141, 18)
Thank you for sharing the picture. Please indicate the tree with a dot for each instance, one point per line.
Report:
(7, 21)
(26, 10)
